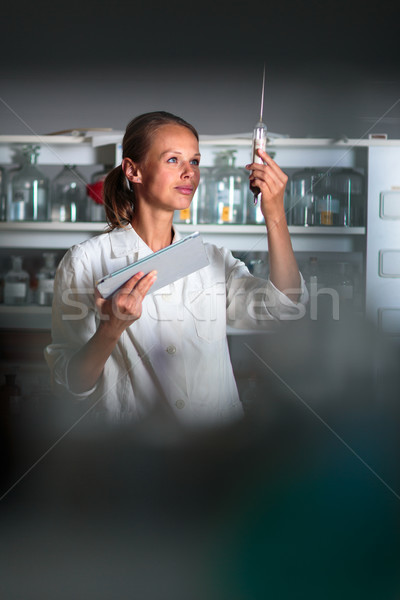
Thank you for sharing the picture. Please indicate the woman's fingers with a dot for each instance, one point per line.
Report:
(144, 284)
(131, 283)
(126, 304)
(269, 166)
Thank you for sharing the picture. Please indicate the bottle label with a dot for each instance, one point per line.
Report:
(225, 216)
(20, 195)
(326, 218)
(184, 214)
(15, 290)
(46, 285)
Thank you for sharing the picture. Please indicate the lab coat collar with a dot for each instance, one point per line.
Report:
(125, 241)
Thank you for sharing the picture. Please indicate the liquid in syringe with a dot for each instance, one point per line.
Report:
(259, 140)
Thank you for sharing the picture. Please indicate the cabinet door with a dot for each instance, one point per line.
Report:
(383, 238)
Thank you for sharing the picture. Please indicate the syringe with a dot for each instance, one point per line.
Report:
(259, 140)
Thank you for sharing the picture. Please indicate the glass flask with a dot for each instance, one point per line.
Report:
(230, 186)
(16, 283)
(29, 199)
(45, 279)
(94, 191)
(304, 194)
(69, 201)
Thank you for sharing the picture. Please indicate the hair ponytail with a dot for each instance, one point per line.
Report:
(118, 199)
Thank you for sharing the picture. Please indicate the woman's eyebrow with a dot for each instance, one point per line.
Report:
(177, 152)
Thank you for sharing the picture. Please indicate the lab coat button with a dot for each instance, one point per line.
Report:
(171, 349)
(180, 403)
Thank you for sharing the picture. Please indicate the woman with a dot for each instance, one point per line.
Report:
(136, 350)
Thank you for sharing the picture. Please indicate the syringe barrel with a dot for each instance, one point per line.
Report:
(259, 141)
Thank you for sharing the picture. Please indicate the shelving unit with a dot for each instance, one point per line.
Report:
(235, 237)
(105, 148)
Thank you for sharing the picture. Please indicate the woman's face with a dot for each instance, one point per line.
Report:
(170, 172)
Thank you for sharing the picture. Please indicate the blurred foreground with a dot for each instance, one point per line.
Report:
(299, 500)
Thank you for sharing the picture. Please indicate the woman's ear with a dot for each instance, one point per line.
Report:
(131, 171)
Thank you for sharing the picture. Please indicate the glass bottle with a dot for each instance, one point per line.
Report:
(45, 279)
(231, 189)
(205, 204)
(304, 194)
(69, 201)
(349, 188)
(328, 203)
(94, 191)
(16, 283)
(29, 191)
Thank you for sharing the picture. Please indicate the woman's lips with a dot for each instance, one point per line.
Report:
(185, 189)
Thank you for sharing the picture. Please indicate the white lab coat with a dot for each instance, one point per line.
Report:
(177, 352)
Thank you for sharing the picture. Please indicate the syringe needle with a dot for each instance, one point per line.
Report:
(262, 96)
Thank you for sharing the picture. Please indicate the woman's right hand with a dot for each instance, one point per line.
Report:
(125, 306)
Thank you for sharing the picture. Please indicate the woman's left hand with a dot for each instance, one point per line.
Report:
(271, 181)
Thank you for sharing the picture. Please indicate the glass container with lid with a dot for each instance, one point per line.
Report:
(349, 189)
(29, 199)
(69, 201)
(305, 190)
(231, 189)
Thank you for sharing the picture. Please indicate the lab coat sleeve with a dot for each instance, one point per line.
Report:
(255, 303)
(73, 316)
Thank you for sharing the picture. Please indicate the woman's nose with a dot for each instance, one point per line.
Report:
(187, 170)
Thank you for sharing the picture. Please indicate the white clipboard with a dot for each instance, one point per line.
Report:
(171, 263)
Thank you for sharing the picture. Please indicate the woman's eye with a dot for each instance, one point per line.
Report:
(172, 159)
(195, 161)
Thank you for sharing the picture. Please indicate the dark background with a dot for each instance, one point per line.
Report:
(331, 68)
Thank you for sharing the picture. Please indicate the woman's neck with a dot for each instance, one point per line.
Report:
(155, 230)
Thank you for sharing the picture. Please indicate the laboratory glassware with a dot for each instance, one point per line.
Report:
(94, 191)
(45, 279)
(230, 186)
(305, 191)
(69, 201)
(16, 283)
(29, 199)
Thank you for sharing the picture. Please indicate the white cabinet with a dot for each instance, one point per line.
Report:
(383, 240)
